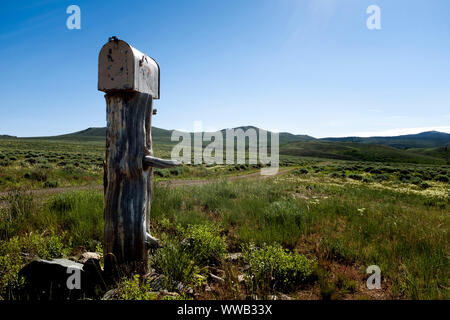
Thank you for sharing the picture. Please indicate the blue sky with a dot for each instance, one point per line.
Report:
(303, 66)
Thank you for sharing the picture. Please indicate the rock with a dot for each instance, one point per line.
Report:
(241, 278)
(158, 282)
(208, 289)
(89, 255)
(166, 293)
(285, 297)
(187, 242)
(61, 279)
(151, 275)
(179, 287)
(93, 278)
(216, 279)
(233, 256)
(111, 294)
(217, 272)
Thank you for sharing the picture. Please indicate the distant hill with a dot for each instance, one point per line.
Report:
(99, 134)
(162, 135)
(5, 136)
(439, 152)
(356, 151)
(430, 139)
(427, 147)
(285, 137)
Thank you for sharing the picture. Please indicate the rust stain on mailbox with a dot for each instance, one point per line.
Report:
(124, 68)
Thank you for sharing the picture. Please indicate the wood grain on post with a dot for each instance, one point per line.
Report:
(131, 82)
(129, 186)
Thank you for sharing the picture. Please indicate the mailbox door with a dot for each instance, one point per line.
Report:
(116, 67)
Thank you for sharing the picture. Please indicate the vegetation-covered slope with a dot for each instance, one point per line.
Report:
(428, 139)
(355, 151)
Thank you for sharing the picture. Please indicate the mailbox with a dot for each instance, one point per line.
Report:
(124, 68)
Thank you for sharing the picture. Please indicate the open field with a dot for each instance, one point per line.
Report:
(307, 234)
(77, 159)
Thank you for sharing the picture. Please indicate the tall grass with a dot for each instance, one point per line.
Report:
(81, 214)
(395, 225)
(398, 231)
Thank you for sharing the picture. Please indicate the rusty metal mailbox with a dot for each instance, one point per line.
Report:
(124, 68)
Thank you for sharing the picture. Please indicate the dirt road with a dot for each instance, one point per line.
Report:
(172, 183)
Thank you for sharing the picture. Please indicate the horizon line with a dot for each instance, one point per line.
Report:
(360, 134)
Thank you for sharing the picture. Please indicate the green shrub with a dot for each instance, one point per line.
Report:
(207, 245)
(70, 169)
(175, 262)
(11, 262)
(335, 175)
(300, 171)
(388, 170)
(46, 247)
(160, 173)
(15, 252)
(5, 163)
(381, 177)
(51, 184)
(136, 289)
(38, 174)
(44, 166)
(442, 178)
(416, 180)
(404, 177)
(274, 268)
(424, 185)
(30, 160)
(355, 177)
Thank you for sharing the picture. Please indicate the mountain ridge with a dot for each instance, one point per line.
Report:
(426, 147)
(426, 139)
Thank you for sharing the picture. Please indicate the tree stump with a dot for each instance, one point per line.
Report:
(128, 191)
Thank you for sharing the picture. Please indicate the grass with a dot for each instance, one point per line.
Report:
(272, 267)
(368, 223)
(324, 213)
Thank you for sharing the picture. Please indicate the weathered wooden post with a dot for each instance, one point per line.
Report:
(131, 82)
